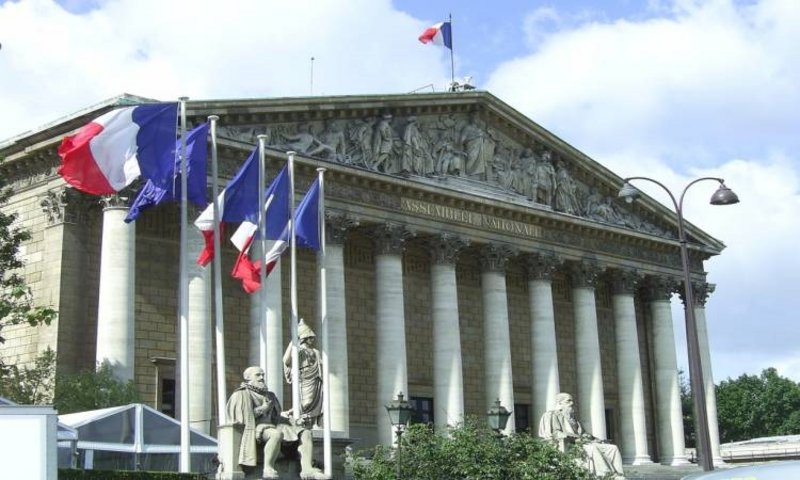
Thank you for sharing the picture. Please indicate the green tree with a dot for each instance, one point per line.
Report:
(470, 451)
(758, 406)
(687, 406)
(31, 385)
(92, 389)
(16, 299)
(68, 392)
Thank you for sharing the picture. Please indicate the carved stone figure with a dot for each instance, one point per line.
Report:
(415, 158)
(382, 144)
(477, 146)
(333, 136)
(310, 366)
(561, 426)
(527, 173)
(306, 143)
(449, 161)
(545, 178)
(360, 142)
(566, 191)
(258, 412)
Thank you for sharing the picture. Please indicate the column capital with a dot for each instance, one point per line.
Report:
(542, 265)
(700, 292)
(113, 201)
(337, 226)
(660, 288)
(624, 280)
(63, 205)
(390, 238)
(494, 256)
(584, 273)
(445, 247)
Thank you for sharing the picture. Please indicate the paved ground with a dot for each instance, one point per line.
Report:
(659, 472)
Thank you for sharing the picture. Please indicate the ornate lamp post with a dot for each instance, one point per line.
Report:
(723, 196)
(399, 412)
(498, 417)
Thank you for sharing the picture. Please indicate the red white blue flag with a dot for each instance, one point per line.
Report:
(307, 234)
(439, 34)
(110, 152)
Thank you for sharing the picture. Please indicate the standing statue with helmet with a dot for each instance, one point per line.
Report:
(310, 369)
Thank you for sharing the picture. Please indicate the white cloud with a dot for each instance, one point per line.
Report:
(710, 89)
(204, 49)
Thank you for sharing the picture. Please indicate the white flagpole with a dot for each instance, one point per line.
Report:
(293, 266)
(262, 230)
(220, 323)
(183, 302)
(323, 314)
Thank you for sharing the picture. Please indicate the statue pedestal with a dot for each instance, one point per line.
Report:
(228, 439)
(288, 463)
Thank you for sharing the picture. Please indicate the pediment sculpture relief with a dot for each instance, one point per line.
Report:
(450, 145)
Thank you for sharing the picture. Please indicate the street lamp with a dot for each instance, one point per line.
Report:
(399, 412)
(498, 417)
(723, 196)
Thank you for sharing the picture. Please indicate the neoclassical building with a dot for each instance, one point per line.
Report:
(472, 255)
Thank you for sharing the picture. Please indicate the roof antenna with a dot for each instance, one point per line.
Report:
(312, 77)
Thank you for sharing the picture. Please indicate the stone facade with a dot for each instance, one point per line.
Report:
(459, 163)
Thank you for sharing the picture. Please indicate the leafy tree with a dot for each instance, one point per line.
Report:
(687, 406)
(67, 392)
(16, 299)
(31, 385)
(758, 406)
(90, 390)
(470, 451)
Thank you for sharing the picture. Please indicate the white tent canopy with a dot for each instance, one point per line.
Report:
(134, 437)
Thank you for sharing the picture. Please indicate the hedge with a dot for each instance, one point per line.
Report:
(74, 474)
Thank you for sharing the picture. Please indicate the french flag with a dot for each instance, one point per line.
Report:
(196, 155)
(239, 203)
(439, 34)
(307, 233)
(110, 152)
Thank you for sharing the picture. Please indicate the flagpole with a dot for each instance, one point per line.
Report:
(219, 320)
(183, 301)
(262, 231)
(293, 265)
(452, 62)
(323, 314)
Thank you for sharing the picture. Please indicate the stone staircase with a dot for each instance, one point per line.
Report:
(659, 472)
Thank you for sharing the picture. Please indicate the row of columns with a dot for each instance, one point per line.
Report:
(115, 336)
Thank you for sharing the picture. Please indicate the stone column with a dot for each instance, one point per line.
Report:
(669, 414)
(266, 327)
(448, 380)
(544, 357)
(498, 380)
(701, 292)
(336, 234)
(200, 354)
(64, 279)
(591, 401)
(633, 425)
(115, 312)
(390, 328)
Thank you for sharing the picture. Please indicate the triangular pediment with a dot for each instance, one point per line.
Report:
(471, 142)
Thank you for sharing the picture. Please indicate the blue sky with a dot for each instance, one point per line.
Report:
(673, 89)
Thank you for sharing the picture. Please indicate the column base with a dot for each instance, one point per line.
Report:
(641, 460)
(675, 461)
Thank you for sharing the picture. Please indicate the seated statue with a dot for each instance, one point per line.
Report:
(258, 410)
(561, 426)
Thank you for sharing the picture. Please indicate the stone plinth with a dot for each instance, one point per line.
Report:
(288, 462)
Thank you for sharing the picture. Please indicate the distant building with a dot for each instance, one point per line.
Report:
(472, 256)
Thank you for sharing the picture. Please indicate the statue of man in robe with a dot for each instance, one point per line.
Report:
(561, 426)
(258, 410)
